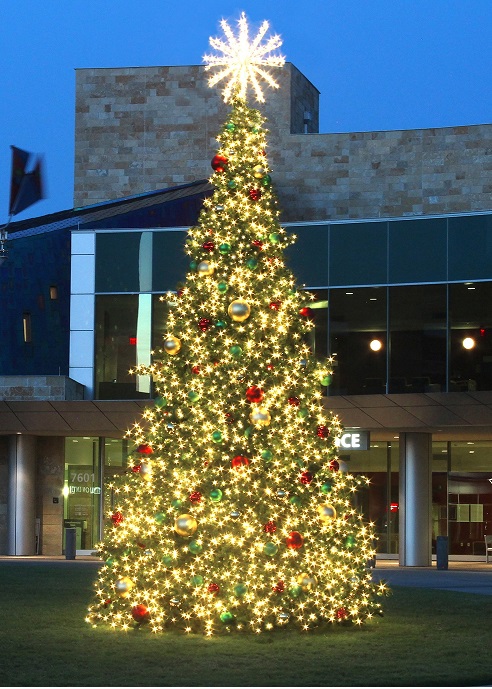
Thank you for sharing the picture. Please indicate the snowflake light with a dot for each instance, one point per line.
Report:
(243, 61)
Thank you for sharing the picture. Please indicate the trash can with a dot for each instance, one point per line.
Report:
(442, 552)
(70, 543)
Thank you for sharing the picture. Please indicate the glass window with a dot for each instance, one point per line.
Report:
(123, 339)
(358, 253)
(169, 261)
(308, 257)
(357, 323)
(470, 314)
(82, 491)
(418, 338)
(117, 261)
(115, 464)
(417, 250)
(470, 247)
(318, 337)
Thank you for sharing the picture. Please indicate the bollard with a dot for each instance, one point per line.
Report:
(70, 543)
(442, 552)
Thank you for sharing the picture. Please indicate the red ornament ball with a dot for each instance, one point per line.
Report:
(208, 246)
(294, 540)
(334, 465)
(275, 305)
(219, 163)
(140, 613)
(294, 401)
(213, 588)
(204, 324)
(322, 431)
(180, 291)
(229, 417)
(116, 518)
(144, 449)
(270, 527)
(270, 367)
(306, 312)
(107, 603)
(279, 587)
(255, 194)
(342, 613)
(239, 461)
(306, 477)
(136, 468)
(254, 394)
(258, 244)
(195, 370)
(196, 496)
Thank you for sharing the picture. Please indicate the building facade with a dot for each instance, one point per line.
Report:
(394, 239)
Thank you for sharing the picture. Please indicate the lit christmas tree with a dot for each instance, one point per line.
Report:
(234, 513)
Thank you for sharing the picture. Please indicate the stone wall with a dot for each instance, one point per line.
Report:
(141, 129)
(49, 484)
(40, 388)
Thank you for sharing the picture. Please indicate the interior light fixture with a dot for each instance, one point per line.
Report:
(375, 345)
(468, 343)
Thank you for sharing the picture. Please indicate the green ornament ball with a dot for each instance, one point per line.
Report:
(195, 547)
(217, 437)
(215, 495)
(110, 561)
(236, 351)
(274, 237)
(226, 617)
(224, 248)
(266, 181)
(196, 580)
(295, 591)
(240, 589)
(193, 396)
(220, 324)
(230, 126)
(326, 380)
(167, 560)
(222, 287)
(255, 130)
(326, 487)
(303, 413)
(270, 548)
(295, 500)
(160, 517)
(267, 455)
(160, 402)
(232, 184)
(193, 265)
(252, 263)
(176, 503)
(350, 542)
(248, 431)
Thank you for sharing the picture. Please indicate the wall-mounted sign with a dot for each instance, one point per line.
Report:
(81, 479)
(353, 440)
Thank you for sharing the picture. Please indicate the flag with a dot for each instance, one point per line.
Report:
(25, 187)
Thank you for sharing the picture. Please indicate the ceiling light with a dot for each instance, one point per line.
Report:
(468, 343)
(375, 345)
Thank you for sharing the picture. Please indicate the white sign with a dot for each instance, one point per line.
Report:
(353, 440)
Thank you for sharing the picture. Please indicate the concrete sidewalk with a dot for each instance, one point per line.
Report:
(467, 577)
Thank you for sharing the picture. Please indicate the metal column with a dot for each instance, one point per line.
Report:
(415, 500)
(21, 510)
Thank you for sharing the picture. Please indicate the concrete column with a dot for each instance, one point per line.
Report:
(415, 499)
(21, 510)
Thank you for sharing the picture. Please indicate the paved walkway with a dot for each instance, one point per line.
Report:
(467, 577)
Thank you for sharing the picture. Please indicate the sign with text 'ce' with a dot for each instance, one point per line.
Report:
(353, 440)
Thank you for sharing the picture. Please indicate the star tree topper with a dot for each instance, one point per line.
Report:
(243, 61)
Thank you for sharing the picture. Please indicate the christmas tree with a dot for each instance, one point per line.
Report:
(234, 513)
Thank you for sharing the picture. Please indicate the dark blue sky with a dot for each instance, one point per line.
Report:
(380, 64)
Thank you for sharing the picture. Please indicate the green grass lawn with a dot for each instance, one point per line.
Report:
(426, 638)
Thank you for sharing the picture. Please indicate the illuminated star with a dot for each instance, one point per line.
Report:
(243, 61)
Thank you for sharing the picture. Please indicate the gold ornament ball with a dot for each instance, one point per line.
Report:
(260, 417)
(145, 471)
(259, 171)
(205, 268)
(239, 310)
(185, 525)
(326, 512)
(124, 586)
(172, 344)
(306, 582)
